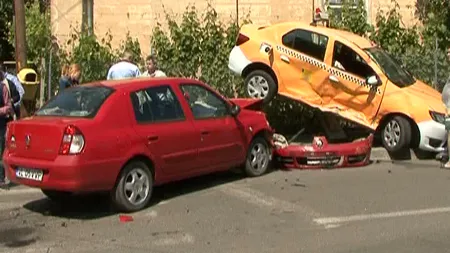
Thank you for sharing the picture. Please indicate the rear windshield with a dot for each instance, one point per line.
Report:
(79, 101)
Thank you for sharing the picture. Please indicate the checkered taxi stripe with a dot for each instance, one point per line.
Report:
(323, 66)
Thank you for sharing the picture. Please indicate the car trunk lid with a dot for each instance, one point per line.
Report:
(38, 137)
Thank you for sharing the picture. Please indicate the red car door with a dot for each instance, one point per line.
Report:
(161, 124)
(221, 143)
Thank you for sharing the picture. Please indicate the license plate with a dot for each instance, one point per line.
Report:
(31, 174)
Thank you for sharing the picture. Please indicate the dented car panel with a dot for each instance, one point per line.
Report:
(321, 154)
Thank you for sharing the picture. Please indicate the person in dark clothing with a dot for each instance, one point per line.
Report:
(70, 76)
(6, 115)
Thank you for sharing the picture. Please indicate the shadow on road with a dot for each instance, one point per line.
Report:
(94, 206)
(17, 237)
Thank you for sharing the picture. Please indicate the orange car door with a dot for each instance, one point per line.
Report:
(350, 94)
(300, 56)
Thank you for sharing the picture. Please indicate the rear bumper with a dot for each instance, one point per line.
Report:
(237, 61)
(65, 173)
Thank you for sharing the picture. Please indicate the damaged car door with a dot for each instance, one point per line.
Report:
(355, 88)
(302, 56)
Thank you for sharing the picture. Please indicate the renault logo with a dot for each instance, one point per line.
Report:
(27, 140)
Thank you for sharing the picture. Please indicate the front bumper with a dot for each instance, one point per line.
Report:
(321, 154)
(433, 136)
(237, 61)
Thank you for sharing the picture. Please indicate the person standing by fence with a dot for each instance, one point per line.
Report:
(152, 68)
(446, 100)
(70, 76)
(6, 115)
(16, 89)
(124, 69)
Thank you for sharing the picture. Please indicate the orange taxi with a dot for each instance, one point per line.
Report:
(340, 72)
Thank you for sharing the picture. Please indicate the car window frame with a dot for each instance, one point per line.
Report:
(215, 94)
(161, 120)
(312, 33)
(361, 59)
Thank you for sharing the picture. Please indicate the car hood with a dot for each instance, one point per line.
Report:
(423, 94)
(248, 103)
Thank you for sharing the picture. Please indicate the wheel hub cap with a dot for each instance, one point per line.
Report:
(258, 87)
(259, 157)
(392, 133)
(137, 186)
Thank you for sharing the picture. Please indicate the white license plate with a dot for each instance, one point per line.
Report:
(31, 174)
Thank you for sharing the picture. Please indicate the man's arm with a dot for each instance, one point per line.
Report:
(7, 108)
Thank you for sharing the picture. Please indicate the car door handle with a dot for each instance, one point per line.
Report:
(333, 78)
(285, 58)
(152, 138)
(204, 132)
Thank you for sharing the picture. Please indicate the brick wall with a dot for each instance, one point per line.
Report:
(140, 16)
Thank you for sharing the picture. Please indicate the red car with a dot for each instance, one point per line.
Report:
(126, 136)
(325, 143)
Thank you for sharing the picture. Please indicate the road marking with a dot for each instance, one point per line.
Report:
(18, 191)
(175, 240)
(362, 217)
(263, 200)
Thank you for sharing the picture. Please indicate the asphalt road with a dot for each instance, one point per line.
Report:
(380, 208)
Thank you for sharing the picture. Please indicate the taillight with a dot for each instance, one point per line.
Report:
(72, 141)
(241, 39)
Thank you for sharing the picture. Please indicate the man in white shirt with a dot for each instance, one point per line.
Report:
(124, 69)
(152, 68)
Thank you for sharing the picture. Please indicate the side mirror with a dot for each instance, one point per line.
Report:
(373, 81)
(235, 110)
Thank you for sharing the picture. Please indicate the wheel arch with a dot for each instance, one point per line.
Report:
(264, 133)
(415, 132)
(143, 158)
(259, 66)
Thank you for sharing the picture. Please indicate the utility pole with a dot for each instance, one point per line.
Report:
(21, 45)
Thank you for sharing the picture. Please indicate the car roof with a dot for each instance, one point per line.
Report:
(342, 35)
(141, 82)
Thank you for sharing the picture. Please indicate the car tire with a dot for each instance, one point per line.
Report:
(396, 134)
(135, 178)
(258, 158)
(260, 84)
(57, 196)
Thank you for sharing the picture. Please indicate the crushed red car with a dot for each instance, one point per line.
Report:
(323, 145)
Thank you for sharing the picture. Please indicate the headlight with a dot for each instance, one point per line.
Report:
(438, 117)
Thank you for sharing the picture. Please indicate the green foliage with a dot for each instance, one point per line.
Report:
(94, 57)
(132, 45)
(6, 47)
(198, 47)
(391, 35)
(352, 17)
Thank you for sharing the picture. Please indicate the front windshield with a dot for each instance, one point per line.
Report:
(390, 67)
(79, 101)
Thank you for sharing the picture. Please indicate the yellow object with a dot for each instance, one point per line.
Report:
(340, 72)
(30, 82)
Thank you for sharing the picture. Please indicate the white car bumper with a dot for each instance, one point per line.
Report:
(237, 61)
(433, 136)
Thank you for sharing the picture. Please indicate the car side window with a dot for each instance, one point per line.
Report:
(156, 104)
(346, 59)
(307, 42)
(203, 103)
